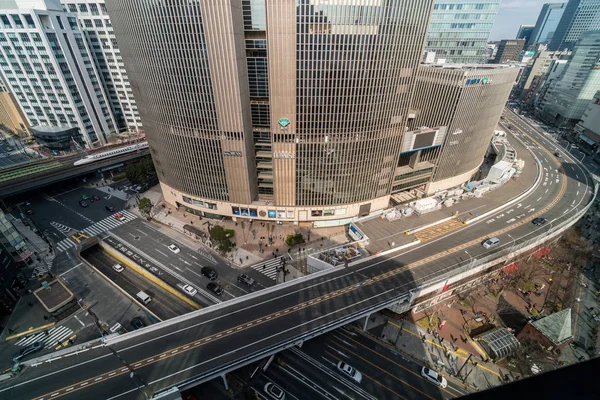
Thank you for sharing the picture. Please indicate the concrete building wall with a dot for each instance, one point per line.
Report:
(314, 122)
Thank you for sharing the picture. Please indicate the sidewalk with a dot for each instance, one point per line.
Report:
(441, 355)
(37, 245)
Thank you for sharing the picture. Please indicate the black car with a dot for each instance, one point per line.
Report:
(557, 154)
(32, 348)
(210, 273)
(110, 208)
(216, 289)
(137, 323)
(539, 221)
(29, 211)
(83, 203)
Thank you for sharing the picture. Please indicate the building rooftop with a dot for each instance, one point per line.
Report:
(556, 327)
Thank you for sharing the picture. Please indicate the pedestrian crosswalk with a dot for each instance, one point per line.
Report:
(61, 228)
(99, 227)
(40, 270)
(269, 267)
(109, 223)
(49, 337)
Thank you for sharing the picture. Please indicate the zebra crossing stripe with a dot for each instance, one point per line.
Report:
(270, 267)
(49, 340)
(65, 244)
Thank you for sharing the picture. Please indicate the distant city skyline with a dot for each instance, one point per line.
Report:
(514, 13)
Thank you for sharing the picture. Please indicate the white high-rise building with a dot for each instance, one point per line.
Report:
(95, 23)
(46, 63)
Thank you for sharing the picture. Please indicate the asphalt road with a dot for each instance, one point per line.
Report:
(164, 305)
(183, 268)
(236, 331)
(57, 210)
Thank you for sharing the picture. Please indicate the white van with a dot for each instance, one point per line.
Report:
(143, 297)
(491, 242)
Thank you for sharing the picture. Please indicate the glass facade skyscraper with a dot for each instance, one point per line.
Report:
(546, 24)
(579, 16)
(459, 29)
(565, 102)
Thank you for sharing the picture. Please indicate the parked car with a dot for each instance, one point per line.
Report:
(246, 279)
(29, 211)
(85, 197)
(137, 323)
(83, 203)
(216, 289)
(434, 377)
(539, 221)
(96, 198)
(274, 391)
(31, 348)
(209, 272)
(118, 268)
(492, 242)
(188, 289)
(174, 248)
(110, 208)
(349, 371)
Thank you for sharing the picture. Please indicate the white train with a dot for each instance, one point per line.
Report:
(111, 153)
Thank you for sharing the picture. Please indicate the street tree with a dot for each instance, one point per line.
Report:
(145, 205)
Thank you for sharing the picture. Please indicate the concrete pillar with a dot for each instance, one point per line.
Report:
(224, 377)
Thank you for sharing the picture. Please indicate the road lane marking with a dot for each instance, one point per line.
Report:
(407, 267)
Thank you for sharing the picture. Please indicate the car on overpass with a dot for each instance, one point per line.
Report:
(434, 377)
(349, 371)
(274, 391)
(246, 279)
(491, 242)
(539, 221)
(189, 289)
(216, 289)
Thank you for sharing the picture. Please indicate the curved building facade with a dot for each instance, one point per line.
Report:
(465, 102)
(291, 110)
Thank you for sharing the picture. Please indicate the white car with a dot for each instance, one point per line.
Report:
(274, 391)
(174, 248)
(434, 377)
(349, 371)
(189, 290)
(493, 242)
(118, 268)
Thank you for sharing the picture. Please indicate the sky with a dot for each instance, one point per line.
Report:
(513, 13)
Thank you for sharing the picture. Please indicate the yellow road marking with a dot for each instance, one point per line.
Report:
(367, 282)
(393, 362)
(374, 380)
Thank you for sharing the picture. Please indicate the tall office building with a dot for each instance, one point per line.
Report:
(11, 116)
(533, 73)
(588, 129)
(509, 51)
(565, 102)
(46, 63)
(465, 103)
(578, 17)
(13, 255)
(95, 23)
(459, 29)
(525, 32)
(546, 23)
(281, 109)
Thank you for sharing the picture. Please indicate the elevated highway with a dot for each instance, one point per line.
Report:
(66, 171)
(210, 342)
